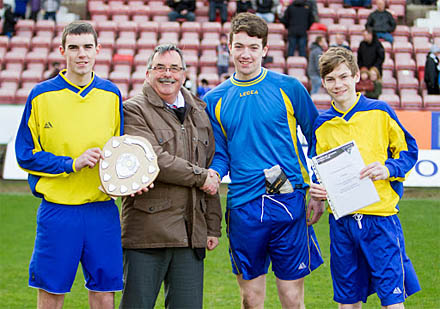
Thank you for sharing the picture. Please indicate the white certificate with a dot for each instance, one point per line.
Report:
(338, 170)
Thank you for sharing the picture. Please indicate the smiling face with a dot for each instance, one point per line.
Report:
(341, 86)
(247, 53)
(166, 84)
(80, 53)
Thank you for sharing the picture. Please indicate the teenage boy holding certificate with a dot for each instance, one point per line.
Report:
(367, 247)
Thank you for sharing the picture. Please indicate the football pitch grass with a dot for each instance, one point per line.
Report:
(420, 220)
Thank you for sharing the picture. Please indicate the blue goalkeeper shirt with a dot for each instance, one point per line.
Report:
(255, 127)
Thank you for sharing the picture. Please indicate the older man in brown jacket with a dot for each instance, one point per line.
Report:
(165, 231)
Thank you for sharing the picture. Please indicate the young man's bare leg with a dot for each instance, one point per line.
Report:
(291, 293)
(357, 305)
(48, 300)
(395, 306)
(101, 300)
(252, 292)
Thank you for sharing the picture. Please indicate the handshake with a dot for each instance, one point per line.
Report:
(212, 182)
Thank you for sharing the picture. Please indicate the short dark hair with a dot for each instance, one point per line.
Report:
(162, 49)
(77, 28)
(333, 57)
(250, 23)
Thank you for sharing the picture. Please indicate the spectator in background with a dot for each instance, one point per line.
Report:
(50, 8)
(362, 3)
(223, 55)
(340, 41)
(316, 50)
(203, 88)
(375, 77)
(432, 68)
(371, 52)
(266, 9)
(55, 70)
(377, 82)
(222, 6)
(364, 84)
(20, 8)
(182, 9)
(297, 19)
(382, 22)
(35, 9)
(9, 21)
(244, 6)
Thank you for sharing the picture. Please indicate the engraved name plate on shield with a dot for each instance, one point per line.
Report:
(129, 164)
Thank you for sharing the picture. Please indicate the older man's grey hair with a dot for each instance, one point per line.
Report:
(162, 49)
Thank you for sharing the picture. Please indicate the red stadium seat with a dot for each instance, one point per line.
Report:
(321, 100)
(10, 76)
(276, 28)
(37, 56)
(393, 100)
(119, 77)
(296, 72)
(402, 47)
(140, 14)
(411, 101)
(32, 76)
(327, 16)
(431, 102)
(406, 79)
(208, 58)
(25, 25)
(346, 16)
(128, 29)
(211, 27)
(404, 61)
(45, 25)
(7, 95)
(169, 37)
(190, 26)
(19, 42)
(169, 26)
(212, 78)
(148, 40)
(362, 15)
(150, 26)
(189, 43)
(38, 41)
(15, 56)
(401, 30)
(420, 32)
(421, 44)
(102, 70)
(296, 62)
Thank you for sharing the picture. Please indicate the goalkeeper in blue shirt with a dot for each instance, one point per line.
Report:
(255, 117)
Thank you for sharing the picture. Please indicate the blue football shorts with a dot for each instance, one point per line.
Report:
(66, 235)
(367, 255)
(272, 228)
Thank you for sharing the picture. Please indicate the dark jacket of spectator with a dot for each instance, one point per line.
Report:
(178, 6)
(371, 54)
(313, 66)
(9, 21)
(298, 18)
(381, 21)
(264, 6)
(432, 67)
(244, 6)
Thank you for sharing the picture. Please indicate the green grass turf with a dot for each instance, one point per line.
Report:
(420, 219)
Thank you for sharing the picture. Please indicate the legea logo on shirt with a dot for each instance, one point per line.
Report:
(250, 92)
(48, 125)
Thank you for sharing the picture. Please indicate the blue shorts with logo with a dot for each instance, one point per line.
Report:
(66, 235)
(272, 228)
(367, 255)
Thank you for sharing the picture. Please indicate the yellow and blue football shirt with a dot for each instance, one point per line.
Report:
(59, 123)
(379, 136)
(255, 127)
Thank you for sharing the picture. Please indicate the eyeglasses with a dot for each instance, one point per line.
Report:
(163, 69)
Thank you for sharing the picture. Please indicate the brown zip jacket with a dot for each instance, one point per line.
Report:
(176, 213)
